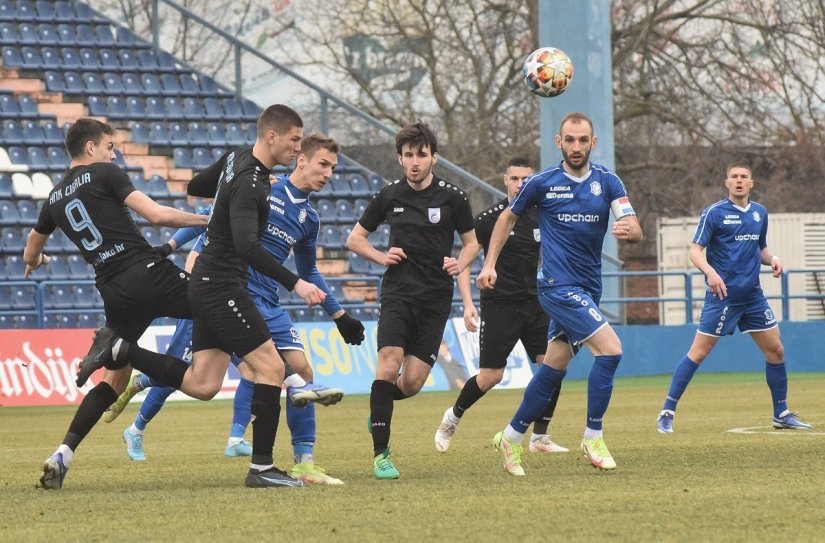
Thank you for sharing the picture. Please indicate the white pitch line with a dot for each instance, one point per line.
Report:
(772, 431)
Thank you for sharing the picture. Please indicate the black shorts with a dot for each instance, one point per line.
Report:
(418, 328)
(135, 297)
(504, 323)
(225, 317)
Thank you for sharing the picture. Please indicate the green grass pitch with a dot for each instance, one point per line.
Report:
(703, 483)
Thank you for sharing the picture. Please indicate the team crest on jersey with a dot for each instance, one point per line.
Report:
(596, 188)
(434, 214)
(756, 216)
(302, 216)
(536, 234)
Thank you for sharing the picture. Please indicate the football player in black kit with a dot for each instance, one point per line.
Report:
(423, 212)
(91, 206)
(225, 319)
(510, 312)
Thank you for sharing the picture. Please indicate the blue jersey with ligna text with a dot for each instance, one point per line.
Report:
(733, 238)
(573, 214)
(293, 225)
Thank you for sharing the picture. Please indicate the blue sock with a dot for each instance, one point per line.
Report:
(144, 382)
(301, 422)
(777, 379)
(600, 388)
(242, 408)
(151, 405)
(537, 395)
(681, 379)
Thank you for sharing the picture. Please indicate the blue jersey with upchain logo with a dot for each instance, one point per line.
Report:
(573, 214)
(292, 225)
(734, 238)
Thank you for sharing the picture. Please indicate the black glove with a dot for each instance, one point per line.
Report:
(163, 250)
(351, 329)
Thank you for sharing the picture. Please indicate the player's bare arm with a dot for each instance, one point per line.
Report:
(770, 259)
(717, 286)
(33, 254)
(162, 215)
(358, 243)
(501, 231)
(470, 310)
(469, 250)
(628, 229)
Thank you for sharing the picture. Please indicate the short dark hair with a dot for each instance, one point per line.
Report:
(279, 118)
(312, 143)
(521, 162)
(85, 130)
(575, 117)
(733, 165)
(417, 135)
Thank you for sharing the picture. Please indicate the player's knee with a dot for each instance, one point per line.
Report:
(486, 381)
(775, 354)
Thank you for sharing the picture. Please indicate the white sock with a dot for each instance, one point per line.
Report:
(135, 431)
(68, 454)
(535, 437)
(294, 380)
(451, 416)
(590, 433)
(233, 441)
(512, 435)
(116, 348)
(261, 467)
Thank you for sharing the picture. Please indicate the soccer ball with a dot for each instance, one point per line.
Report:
(547, 71)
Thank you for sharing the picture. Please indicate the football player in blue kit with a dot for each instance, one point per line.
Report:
(729, 247)
(574, 200)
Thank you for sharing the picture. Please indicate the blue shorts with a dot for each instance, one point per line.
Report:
(180, 345)
(280, 325)
(574, 314)
(721, 317)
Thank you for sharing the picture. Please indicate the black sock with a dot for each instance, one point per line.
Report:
(469, 395)
(266, 410)
(88, 413)
(381, 414)
(398, 394)
(163, 368)
(540, 425)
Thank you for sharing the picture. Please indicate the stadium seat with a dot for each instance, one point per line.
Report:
(182, 157)
(147, 60)
(78, 268)
(359, 186)
(212, 109)
(7, 11)
(140, 133)
(28, 107)
(232, 109)
(197, 134)
(15, 268)
(23, 297)
(251, 133)
(192, 109)
(27, 210)
(174, 108)
(11, 57)
(45, 11)
(8, 34)
(151, 235)
(188, 85)
(217, 153)
(97, 106)
(103, 33)
(132, 85)
(58, 158)
(359, 265)
(116, 108)
(158, 134)
(73, 83)
(139, 182)
(178, 136)
(135, 108)
(12, 241)
(251, 110)
(152, 85)
(128, 60)
(84, 35)
(5, 186)
(62, 11)
(22, 185)
(330, 237)
(84, 297)
(55, 243)
(27, 34)
(54, 82)
(235, 135)
(37, 158)
(344, 210)
(125, 38)
(92, 83)
(50, 59)
(201, 158)
(66, 34)
(325, 209)
(167, 63)
(108, 60)
(376, 183)
(215, 134)
(26, 11)
(155, 108)
(89, 59)
(158, 188)
(340, 185)
(70, 59)
(170, 85)
(42, 185)
(12, 132)
(208, 85)
(58, 296)
(31, 58)
(52, 134)
(48, 35)
(360, 205)
(8, 107)
(17, 156)
(58, 269)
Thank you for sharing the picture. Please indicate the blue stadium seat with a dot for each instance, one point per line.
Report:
(92, 83)
(89, 59)
(45, 11)
(158, 134)
(376, 183)
(37, 158)
(8, 34)
(58, 157)
(17, 155)
(150, 234)
(58, 269)
(73, 83)
(140, 133)
(15, 268)
(359, 265)
(330, 237)
(182, 157)
(208, 85)
(201, 158)
(54, 82)
(31, 58)
(251, 110)
(12, 132)
(171, 86)
(251, 133)
(360, 205)
(155, 108)
(140, 182)
(215, 134)
(108, 60)
(52, 134)
(217, 153)
(235, 135)
(325, 209)
(67, 35)
(167, 63)
(382, 237)
(135, 108)
(232, 109)
(182, 205)
(213, 109)
(11, 57)
(188, 85)
(103, 33)
(12, 241)
(26, 11)
(174, 108)
(23, 297)
(32, 133)
(197, 134)
(28, 212)
(128, 60)
(5, 186)
(358, 186)
(158, 187)
(55, 242)
(116, 108)
(152, 85)
(8, 12)
(178, 135)
(340, 185)
(125, 38)
(50, 59)
(132, 85)
(192, 109)
(62, 11)
(97, 106)
(344, 210)
(58, 297)
(48, 35)
(79, 268)
(27, 34)
(147, 60)
(28, 107)
(84, 36)
(84, 297)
